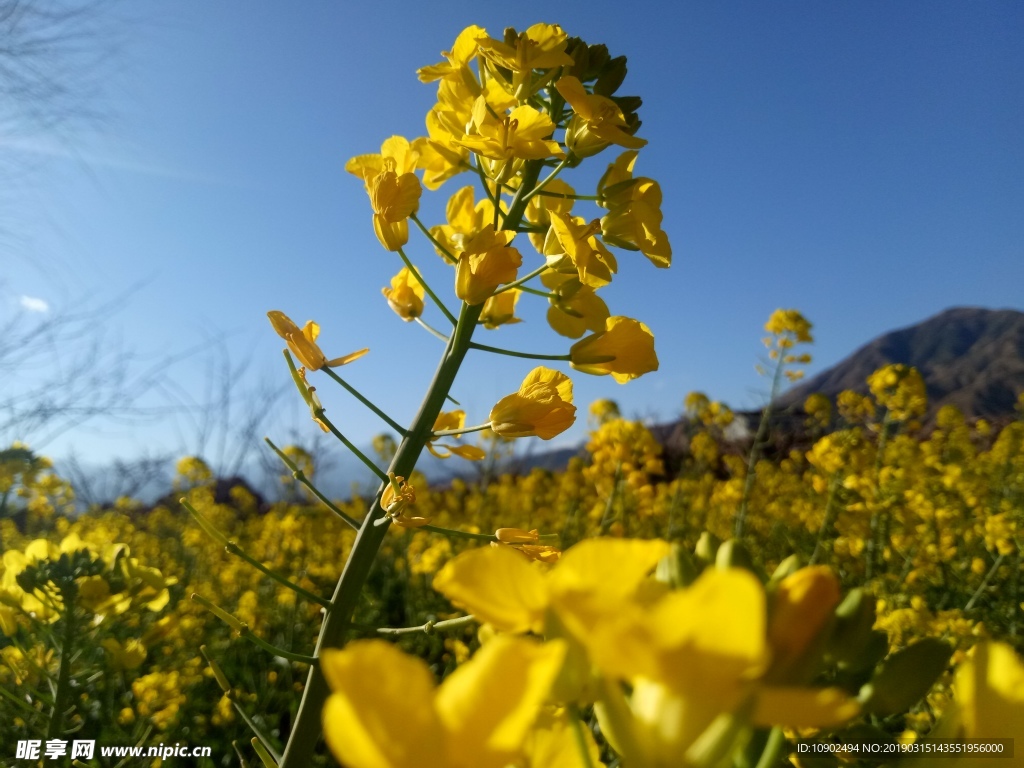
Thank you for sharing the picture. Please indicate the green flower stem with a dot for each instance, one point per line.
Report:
(580, 737)
(755, 453)
(773, 749)
(874, 543)
(447, 255)
(483, 182)
(318, 412)
(299, 475)
(827, 519)
(273, 649)
(266, 755)
(61, 699)
(429, 628)
(19, 702)
(430, 292)
(233, 549)
(307, 729)
(510, 353)
(525, 278)
(242, 762)
(358, 396)
(550, 177)
(431, 330)
(984, 582)
(536, 292)
(546, 193)
(219, 612)
(459, 432)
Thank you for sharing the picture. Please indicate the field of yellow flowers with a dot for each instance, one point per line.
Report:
(855, 601)
(95, 609)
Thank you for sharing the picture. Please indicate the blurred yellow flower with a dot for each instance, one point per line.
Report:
(386, 712)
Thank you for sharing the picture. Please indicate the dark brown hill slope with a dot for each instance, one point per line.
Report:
(969, 357)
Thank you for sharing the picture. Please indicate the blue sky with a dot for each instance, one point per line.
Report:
(863, 162)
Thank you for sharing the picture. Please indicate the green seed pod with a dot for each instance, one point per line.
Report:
(905, 677)
(707, 547)
(677, 569)
(855, 619)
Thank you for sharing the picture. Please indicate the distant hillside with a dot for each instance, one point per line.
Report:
(971, 358)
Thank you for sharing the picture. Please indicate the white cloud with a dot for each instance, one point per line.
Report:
(32, 304)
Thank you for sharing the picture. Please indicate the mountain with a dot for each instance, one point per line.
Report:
(969, 357)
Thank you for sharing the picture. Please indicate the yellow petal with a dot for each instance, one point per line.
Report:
(346, 359)
(489, 704)
(381, 712)
(498, 586)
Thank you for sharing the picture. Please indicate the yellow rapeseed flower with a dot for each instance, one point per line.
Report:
(394, 197)
(405, 296)
(597, 121)
(386, 712)
(542, 407)
(486, 261)
(303, 345)
(625, 349)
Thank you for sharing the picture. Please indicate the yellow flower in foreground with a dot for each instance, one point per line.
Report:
(542, 407)
(693, 656)
(303, 345)
(989, 690)
(500, 587)
(405, 296)
(386, 712)
(542, 47)
(597, 121)
(625, 349)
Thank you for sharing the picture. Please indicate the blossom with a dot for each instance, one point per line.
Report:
(396, 154)
(393, 198)
(542, 407)
(397, 499)
(303, 345)
(500, 309)
(597, 121)
(634, 211)
(572, 239)
(452, 420)
(507, 140)
(625, 349)
(466, 220)
(575, 308)
(542, 46)
(486, 262)
(386, 711)
(405, 296)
